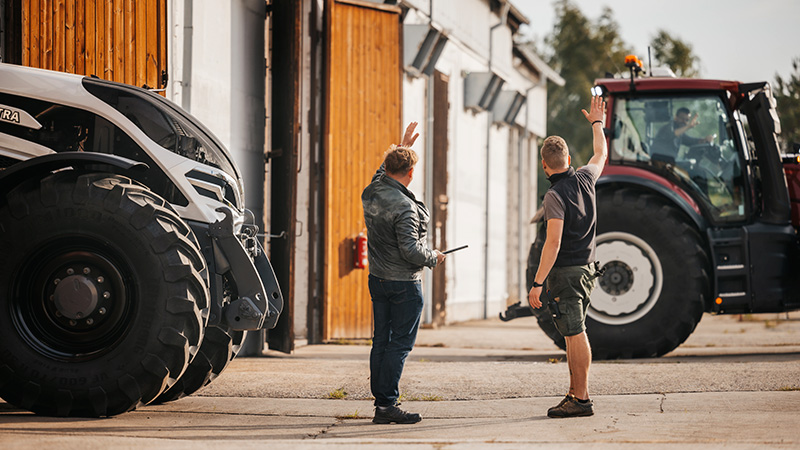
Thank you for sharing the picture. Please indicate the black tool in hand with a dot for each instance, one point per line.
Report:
(455, 249)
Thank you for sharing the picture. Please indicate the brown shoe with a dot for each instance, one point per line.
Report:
(571, 407)
(567, 398)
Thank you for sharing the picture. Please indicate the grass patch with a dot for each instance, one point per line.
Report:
(355, 415)
(789, 388)
(337, 394)
(554, 360)
(420, 398)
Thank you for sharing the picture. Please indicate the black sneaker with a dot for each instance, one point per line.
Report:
(393, 414)
(571, 407)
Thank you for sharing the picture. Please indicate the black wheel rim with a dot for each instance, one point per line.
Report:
(72, 298)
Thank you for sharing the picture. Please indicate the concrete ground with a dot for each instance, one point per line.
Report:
(735, 383)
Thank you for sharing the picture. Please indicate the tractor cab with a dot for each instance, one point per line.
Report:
(692, 139)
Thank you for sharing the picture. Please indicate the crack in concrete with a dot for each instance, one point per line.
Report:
(325, 430)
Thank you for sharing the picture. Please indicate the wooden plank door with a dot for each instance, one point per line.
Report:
(118, 40)
(363, 110)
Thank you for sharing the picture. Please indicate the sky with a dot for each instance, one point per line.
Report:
(742, 40)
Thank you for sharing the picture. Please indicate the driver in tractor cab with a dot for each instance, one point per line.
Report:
(672, 135)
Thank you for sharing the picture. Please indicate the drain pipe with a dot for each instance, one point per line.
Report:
(188, 33)
(503, 21)
(427, 284)
(520, 174)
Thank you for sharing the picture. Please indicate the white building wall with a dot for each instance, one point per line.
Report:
(476, 287)
(414, 110)
(217, 73)
(499, 219)
(211, 67)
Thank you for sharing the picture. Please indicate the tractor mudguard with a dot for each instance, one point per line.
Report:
(259, 301)
(42, 165)
(671, 193)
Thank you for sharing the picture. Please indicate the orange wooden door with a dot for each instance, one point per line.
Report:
(118, 40)
(363, 118)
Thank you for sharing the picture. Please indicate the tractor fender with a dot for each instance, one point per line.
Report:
(40, 166)
(658, 185)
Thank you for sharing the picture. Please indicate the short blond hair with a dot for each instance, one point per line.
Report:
(555, 152)
(398, 160)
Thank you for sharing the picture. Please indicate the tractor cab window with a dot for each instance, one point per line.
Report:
(163, 123)
(689, 139)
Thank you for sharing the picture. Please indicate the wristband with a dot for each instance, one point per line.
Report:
(597, 121)
(535, 284)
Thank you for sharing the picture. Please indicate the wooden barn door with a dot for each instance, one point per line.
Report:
(118, 40)
(363, 111)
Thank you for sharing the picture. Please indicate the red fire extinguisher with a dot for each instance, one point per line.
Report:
(360, 251)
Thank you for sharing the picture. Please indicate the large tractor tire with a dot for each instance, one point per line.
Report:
(219, 348)
(101, 291)
(652, 294)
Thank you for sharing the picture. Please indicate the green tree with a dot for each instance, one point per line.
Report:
(787, 95)
(675, 54)
(580, 50)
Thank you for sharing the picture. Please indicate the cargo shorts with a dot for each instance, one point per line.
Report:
(571, 288)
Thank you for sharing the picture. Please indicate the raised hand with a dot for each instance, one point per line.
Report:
(409, 137)
(597, 111)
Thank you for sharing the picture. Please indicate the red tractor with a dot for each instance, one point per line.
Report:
(698, 211)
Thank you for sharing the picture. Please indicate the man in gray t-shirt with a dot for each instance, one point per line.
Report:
(568, 255)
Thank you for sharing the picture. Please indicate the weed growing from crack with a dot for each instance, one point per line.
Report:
(355, 415)
(420, 398)
(337, 394)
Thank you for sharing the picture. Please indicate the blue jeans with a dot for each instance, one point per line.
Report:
(396, 310)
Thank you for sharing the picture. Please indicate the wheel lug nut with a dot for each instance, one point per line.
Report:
(57, 280)
(101, 311)
(72, 323)
(52, 297)
(86, 271)
(89, 321)
(70, 271)
(106, 295)
(79, 315)
(100, 279)
(58, 313)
